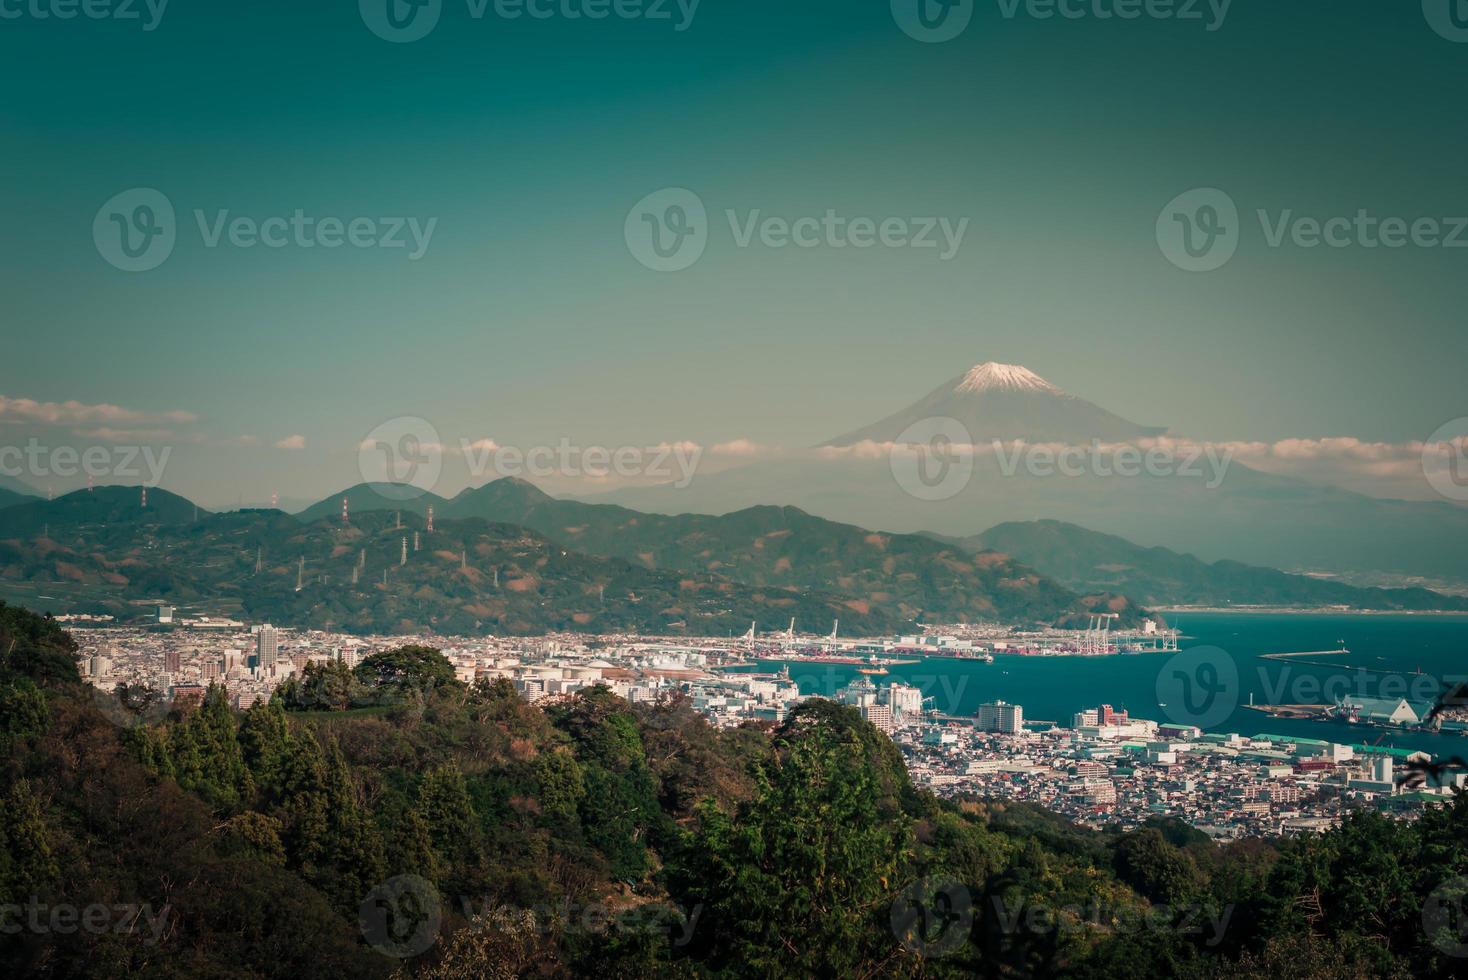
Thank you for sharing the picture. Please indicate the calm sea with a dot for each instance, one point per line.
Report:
(1390, 656)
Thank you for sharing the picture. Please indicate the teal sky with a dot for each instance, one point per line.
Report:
(528, 320)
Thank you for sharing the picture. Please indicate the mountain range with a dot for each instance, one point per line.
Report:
(9, 498)
(1089, 561)
(487, 568)
(1212, 509)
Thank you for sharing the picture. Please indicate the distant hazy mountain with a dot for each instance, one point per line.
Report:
(1247, 516)
(105, 505)
(1086, 560)
(907, 576)
(1006, 401)
(11, 488)
(368, 497)
(9, 498)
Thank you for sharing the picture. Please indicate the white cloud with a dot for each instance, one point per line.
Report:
(80, 413)
(739, 447)
(292, 442)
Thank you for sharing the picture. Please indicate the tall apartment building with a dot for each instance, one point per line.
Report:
(1000, 716)
(267, 646)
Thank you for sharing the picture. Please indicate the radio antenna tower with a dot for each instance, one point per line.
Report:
(430, 518)
(345, 519)
(301, 574)
(145, 498)
(258, 552)
(464, 558)
(397, 520)
(404, 559)
(274, 499)
(415, 540)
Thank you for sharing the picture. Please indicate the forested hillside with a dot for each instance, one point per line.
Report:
(389, 820)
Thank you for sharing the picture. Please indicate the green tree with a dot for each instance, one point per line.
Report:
(1157, 869)
(417, 667)
(450, 818)
(330, 686)
(23, 711)
(27, 863)
(801, 881)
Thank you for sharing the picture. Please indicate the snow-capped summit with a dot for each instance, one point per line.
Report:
(993, 376)
(1005, 402)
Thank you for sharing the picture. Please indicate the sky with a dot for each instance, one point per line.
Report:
(498, 166)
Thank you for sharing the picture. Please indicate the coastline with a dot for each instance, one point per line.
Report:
(1307, 611)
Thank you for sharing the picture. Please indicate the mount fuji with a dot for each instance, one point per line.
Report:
(1249, 516)
(1006, 402)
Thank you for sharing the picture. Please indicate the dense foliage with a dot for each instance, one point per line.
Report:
(390, 820)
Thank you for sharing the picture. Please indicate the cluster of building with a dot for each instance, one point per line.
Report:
(1104, 768)
(249, 662)
(1108, 768)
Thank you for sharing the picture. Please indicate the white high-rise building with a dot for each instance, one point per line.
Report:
(1000, 716)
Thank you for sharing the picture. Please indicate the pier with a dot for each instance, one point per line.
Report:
(1306, 659)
